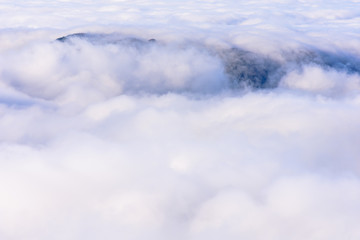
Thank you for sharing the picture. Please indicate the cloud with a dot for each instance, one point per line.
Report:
(233, 124)
(172, 165)
(324, 82)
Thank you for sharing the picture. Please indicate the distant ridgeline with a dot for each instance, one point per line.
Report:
(244, 68)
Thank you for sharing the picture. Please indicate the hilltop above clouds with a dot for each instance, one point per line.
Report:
(179, 120)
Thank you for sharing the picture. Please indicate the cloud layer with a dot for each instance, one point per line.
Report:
(233, 124)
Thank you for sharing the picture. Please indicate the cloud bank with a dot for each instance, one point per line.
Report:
(234, 123)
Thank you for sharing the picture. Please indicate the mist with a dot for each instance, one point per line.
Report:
(179, 120)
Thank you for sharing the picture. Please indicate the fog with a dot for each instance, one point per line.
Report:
(179, 120)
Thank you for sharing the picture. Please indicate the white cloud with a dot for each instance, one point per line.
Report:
(321, 81)
(104, 140)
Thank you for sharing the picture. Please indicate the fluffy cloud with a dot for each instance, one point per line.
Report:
(110, 136)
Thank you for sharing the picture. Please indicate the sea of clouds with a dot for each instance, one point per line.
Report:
(106, 135)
